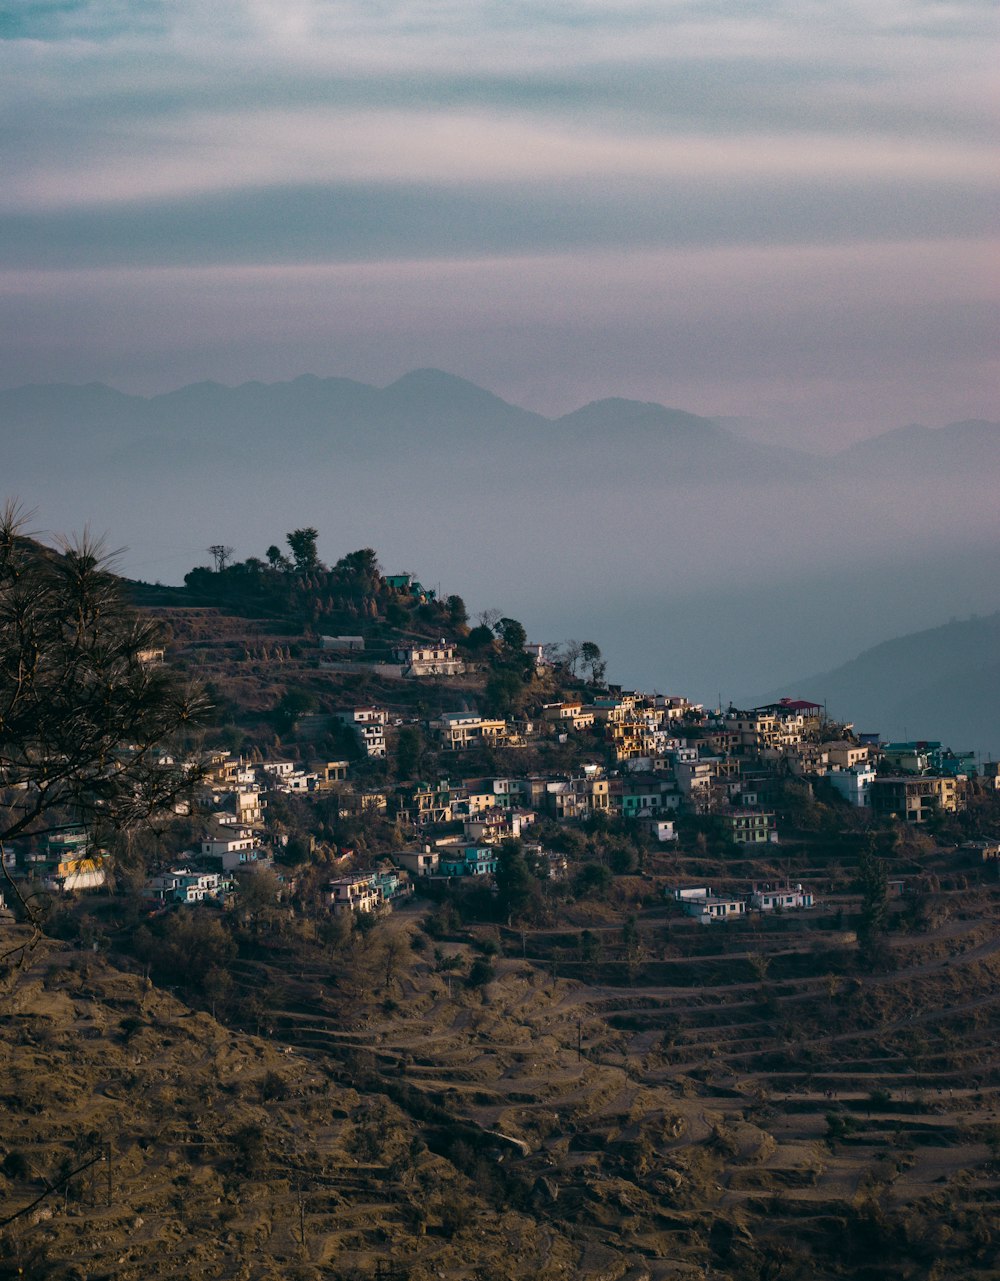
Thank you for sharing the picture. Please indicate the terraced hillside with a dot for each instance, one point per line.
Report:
(742, 1100)
(142, 1139)
(635, 1097)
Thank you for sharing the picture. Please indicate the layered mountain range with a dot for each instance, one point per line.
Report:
(697, 557)
(427, 410)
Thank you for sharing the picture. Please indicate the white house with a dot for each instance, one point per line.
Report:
(368, 724)
(768, 898)
(854, 784)
(428, 659)
(280, 769)
(661, 829)
(220, 843)
(183, 885)
(358, 893)
(707, 907)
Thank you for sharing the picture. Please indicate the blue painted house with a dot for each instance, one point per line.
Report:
(468, 860)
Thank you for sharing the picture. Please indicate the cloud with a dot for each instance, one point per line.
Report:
(391, 137)
(828, 333)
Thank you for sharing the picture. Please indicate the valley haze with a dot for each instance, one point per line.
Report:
(697, 557)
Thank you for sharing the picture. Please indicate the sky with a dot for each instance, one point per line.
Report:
(782, 210)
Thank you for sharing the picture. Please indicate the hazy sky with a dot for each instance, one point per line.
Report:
(783, 209)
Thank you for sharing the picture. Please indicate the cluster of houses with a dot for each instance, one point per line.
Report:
(646, 758)
(662, 757)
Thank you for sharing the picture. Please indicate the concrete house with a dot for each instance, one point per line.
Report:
(468, 860)
(426, 804)
(707, 907)
(568, 715)
(368, 724)
(423, 862)
(913, 798)
(344, 644)
(183, 885)
(854, 784)
(770, 898)
(357, 893)
(220, 841)
(425, 659)
(749, 826)
(460, 731)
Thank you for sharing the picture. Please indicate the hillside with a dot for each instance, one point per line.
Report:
(552, 1073)
(745, 1101)
(942, 683)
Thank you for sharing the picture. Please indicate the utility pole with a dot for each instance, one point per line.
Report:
(221, 554)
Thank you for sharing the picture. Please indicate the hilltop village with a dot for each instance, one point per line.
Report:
(458, 960)
(480, 745)
(438, 796)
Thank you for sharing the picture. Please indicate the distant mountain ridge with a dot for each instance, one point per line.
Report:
(427, 398)
(425, 409)
(942, 683)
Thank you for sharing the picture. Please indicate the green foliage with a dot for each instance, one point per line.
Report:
(591, 948)
(591, 880)
(15, 1165)
(293, 704)
(480, 638)
(503, 693)
(839, 1125)
(359, 572)
(249, 1144)
(258, 894)
(458, 615)
(623, 857)
(273, 1087)
(409, 752)
(302, 544)
(516, 884)
(512, 635)
(481, 972)
(193, 943)
(590, 658)
(84, 719)
(875, 893)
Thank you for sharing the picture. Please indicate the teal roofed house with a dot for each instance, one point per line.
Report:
(391, 882)
(468, 860)
(923, 756)
(407, 583)
(955, 763)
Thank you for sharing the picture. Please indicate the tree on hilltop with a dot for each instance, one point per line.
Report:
(590, 656)
(276, 558)
(302, 544)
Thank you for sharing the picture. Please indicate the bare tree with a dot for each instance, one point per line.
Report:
(571, 654)
(85, 720)
(221, 554)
